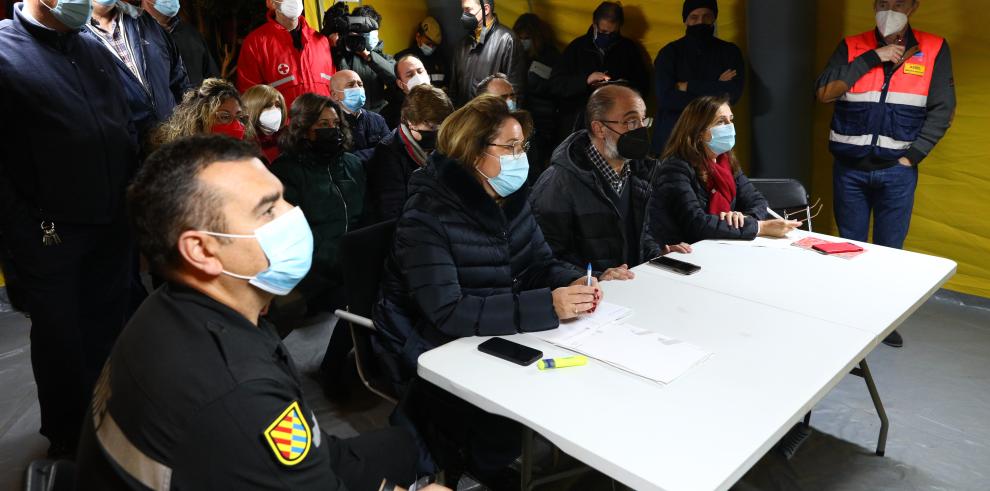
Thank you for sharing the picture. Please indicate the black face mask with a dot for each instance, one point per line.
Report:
(329, 142)
(633, 145)
(469, 22)
(701, 32)
(428, 140)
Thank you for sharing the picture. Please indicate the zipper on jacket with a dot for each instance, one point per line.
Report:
(883, 99)
(347, 216)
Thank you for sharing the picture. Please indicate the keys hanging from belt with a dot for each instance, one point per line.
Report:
(50, 236)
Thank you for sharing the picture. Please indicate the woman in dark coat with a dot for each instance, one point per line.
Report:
(470, 260)
(699, 191)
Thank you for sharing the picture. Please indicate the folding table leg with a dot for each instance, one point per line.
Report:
(864, 371)
(526, 474)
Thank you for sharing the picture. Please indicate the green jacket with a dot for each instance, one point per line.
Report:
(331, 194)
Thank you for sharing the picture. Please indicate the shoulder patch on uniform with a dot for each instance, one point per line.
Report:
(289, 436)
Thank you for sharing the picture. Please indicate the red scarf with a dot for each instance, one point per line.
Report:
(721, 185)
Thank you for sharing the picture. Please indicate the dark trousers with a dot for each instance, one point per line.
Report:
(76, 293)
(887, 194)
(458, 435)
(361, 462)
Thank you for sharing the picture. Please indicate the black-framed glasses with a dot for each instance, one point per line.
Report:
(517, 149)
(633, 123)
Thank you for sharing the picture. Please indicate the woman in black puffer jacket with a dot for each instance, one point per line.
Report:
(470, 260)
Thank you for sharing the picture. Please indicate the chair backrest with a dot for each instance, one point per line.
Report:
(362, 257)
(362, 260)
(785, 196)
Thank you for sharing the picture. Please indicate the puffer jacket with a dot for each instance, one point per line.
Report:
(331, 194)
(462, 265)
(678, 209)
(498, 51)
(580, 222)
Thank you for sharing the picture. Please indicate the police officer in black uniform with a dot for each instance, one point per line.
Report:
(199, 392)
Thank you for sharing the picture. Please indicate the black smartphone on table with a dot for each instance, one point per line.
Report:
(674, 265)
(509, 351)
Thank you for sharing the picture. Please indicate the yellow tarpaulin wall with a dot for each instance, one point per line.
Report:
(952, 208)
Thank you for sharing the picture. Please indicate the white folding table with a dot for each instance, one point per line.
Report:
(772, 363)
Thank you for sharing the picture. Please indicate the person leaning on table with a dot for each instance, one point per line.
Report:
(470, 260)
(699, 191)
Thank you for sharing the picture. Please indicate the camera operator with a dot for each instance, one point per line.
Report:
(356, 46)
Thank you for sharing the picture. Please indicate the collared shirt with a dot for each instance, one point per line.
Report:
(615, 180)
(116, 41)
(29, 18)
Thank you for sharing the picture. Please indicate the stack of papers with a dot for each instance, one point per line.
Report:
(636, 350)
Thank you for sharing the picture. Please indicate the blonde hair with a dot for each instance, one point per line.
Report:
(197, 112)
(466, 133)
(261, 97)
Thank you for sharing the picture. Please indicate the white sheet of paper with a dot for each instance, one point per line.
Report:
(642, 352)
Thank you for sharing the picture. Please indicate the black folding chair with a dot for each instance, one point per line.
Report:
(362, 258)
(50, 475)
(787, 197)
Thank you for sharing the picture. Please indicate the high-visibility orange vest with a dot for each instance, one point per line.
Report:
(882, 113)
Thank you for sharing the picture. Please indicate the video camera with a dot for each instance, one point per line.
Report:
(351, 29)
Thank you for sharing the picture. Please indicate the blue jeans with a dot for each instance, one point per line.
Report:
(887, 193)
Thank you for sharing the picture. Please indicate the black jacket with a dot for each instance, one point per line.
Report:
(623, 59)
(238, 380)
(578, 219)
(367, 129)
(70, 147)
(388, 174)
(678, 209)
(462, 266)
(700, 65)
(377, 74)
(196, 56)
(498, 51)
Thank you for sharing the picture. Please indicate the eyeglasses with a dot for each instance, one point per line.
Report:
(517, 150)
(808, 213)
(633, 123)
(224, 117)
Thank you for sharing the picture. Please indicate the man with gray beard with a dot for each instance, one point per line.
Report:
(591, 201)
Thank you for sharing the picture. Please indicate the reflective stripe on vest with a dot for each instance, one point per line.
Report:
(283, 81)
(881, 117)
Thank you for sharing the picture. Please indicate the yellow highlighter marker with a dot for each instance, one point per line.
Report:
(567, 361)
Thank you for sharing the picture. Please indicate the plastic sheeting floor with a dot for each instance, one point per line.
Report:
(936, 391)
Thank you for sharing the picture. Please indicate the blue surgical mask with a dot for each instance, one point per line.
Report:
(527, 44)
(372, 38)
(515, 170)
(723, 138)
(512, 104)
(72, 13)
(287, 242)
(168, 8)
(354, 99)
(427, 49)
(107, 3)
